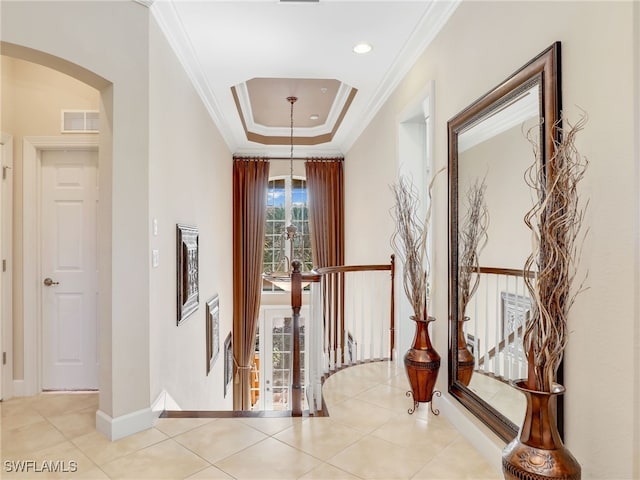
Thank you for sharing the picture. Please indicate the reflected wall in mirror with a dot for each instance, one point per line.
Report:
(488, 140)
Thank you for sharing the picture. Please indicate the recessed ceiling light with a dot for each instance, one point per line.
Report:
(362, 48)
(314, 116)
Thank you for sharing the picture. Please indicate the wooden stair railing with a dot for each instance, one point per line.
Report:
(334, 343)
(335, 289)
(502, 346)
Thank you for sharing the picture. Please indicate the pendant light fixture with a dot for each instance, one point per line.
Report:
(281, 276)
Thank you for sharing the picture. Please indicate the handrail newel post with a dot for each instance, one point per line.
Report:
(392, 327)
(296, 304)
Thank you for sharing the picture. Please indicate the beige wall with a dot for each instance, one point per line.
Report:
(482, 44)
(166, 161)
(32, 99)
(187, 174)
(502, 162)
(190, 172)
(107, 48)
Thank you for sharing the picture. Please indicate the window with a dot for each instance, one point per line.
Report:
(286, 202)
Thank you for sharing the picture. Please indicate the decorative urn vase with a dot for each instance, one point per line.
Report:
(422, 362)
(537, 453)
(466, 360)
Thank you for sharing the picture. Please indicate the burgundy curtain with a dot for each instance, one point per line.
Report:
(250, 182)
(325, 187)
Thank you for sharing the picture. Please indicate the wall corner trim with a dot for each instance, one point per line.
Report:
(125, 425)
(163, 402)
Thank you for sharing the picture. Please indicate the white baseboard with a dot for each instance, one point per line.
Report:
(483, 440)
(125, 425)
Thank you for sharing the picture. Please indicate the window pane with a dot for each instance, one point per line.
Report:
(286, 201)
(275, 214)
(299, 193)
(276, 193)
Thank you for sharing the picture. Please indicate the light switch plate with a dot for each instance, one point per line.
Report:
(155, 258)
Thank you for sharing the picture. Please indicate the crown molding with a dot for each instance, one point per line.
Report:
(433, 19)
(169, 22)
(284, 152)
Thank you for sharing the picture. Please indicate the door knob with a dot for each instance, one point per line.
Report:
(48, 282)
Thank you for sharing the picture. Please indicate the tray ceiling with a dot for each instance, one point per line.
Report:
(246, 57)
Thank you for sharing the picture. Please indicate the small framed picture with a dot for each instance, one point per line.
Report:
(213, 331)
(187, 271)
(228, 363)
(516, 310)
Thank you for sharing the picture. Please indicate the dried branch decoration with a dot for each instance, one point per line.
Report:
(409, 241)
(473, 238)
(556, 221)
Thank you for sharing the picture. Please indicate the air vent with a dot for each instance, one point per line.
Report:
(80, 121)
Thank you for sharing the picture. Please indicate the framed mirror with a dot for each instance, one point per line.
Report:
(489, 145)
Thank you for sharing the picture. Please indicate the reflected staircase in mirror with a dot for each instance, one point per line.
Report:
(494, 331)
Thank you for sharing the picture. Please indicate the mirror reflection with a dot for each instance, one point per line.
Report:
(489, 153)
(494, 152)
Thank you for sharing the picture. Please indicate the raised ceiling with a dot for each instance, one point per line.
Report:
(313, 118)
(246, 57)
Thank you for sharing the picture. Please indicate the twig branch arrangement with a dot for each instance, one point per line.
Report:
(555, 221)
(473, 238)
(409, 241)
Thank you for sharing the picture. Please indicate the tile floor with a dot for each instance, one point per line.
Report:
(367, 435)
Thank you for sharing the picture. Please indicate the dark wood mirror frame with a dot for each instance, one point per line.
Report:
(543, 70)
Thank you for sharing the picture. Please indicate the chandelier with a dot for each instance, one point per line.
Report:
(281, 276)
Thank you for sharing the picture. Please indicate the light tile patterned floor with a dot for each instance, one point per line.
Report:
(367, 435)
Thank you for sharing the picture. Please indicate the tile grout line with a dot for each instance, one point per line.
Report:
(389, 381)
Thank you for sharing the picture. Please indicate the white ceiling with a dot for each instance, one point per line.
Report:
(224, 44)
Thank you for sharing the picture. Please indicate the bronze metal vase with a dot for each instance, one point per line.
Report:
(466, 360)
(537, 453)
(422, 362)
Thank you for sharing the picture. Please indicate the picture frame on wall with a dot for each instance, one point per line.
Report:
(515, 310)
(228, 363)
(187, 271)
(213, 331)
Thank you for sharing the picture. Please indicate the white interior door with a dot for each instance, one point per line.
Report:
(69, 279)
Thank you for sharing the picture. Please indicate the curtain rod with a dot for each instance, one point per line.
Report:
(288, 158)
